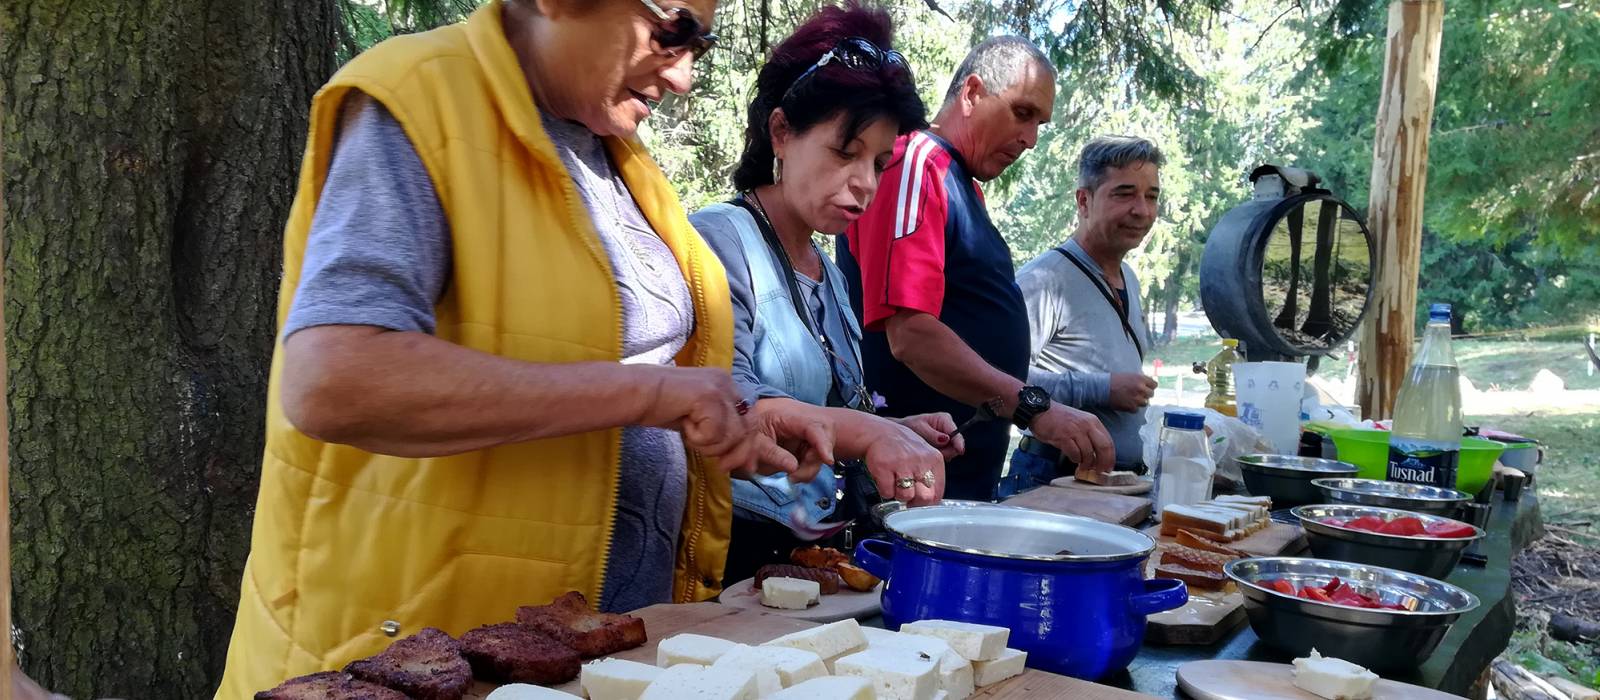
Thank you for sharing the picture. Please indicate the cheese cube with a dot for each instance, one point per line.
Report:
(787, 593)
(1010, 663)
(792, 665)
(691, 649)
(1334, 679)
(828, 688)
(616, 679)
(691, 682)
(972, 642)
(941, 695)
(896, 674)
(955, 672)
(828, 641)
(523, 691)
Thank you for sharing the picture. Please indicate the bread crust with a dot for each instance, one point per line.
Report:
(329, 685)
(569, 620)
(427, 665)
(510, 652)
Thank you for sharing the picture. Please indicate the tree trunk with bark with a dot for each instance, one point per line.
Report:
(150, 157)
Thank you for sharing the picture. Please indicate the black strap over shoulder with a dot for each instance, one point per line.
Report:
(1122, 311)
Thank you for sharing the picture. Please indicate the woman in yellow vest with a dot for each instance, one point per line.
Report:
(502, 372)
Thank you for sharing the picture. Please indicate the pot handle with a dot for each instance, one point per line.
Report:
(874, 556)
(1160, 595)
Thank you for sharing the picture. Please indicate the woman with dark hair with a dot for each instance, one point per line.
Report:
(828, 107)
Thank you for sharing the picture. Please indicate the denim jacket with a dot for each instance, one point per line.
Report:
(786, 359)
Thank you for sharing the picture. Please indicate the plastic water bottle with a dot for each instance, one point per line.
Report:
(1426, 441)
(1184, 467)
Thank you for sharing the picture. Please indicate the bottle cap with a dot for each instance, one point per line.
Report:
(1230, 342)
(1439, 312)
(1184, 420)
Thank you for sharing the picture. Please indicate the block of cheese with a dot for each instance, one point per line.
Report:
(686, 681)
(955, 672)
(690, 648)
(973, 642)
(828, 688)
(829, 641)
(1334, 679)
(791, 665)
(616, 679)
(523, 691)
(1011, 662)
(787, 593)
(942, 695)
(896, 674)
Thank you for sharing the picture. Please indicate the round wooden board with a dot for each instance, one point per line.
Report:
(1135, 489)
(844, 605)
(1257, 680)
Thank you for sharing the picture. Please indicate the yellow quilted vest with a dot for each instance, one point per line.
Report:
(345, 540)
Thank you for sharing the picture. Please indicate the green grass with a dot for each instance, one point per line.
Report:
(1507, 364)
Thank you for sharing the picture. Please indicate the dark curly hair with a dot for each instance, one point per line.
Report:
(862, 95)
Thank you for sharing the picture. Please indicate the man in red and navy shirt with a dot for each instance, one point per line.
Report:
(933, 283)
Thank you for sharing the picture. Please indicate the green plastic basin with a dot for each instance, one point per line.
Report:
(1369, 451)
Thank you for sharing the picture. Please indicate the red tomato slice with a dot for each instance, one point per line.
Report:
(1333, 586)
(1407, 526)
(1316, 594)
(1450, 530)
(1370, 523)
(1283, 586)
(1332, 522)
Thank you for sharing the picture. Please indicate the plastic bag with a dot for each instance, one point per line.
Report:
(1230, 438)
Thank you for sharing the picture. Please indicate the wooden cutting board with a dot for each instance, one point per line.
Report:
(1206, 619)
(752, 627)
(1277, 539)
(1256, 680)
(1105, 507)
(1134, 489)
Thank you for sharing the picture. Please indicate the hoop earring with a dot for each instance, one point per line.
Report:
(777, 170)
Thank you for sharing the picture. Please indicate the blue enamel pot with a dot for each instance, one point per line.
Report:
(1071, 590)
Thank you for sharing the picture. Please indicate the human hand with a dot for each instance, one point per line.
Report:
(1080, 436)
(897, 454)
(936, 429)
(1131, 391)
(704, 406)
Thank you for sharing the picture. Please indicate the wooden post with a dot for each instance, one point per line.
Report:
(7, 660)
(1394, 212)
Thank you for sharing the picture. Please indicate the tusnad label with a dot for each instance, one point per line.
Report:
(1423, 464)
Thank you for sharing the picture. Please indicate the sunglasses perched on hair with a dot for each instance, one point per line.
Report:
(854, 53)
(679, 29)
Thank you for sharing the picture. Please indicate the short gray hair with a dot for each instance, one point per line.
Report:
(999, 63)
(1107, 152)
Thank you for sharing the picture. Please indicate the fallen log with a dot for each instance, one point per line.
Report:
(1571, 629)
(1573, 690)
(1514, 682)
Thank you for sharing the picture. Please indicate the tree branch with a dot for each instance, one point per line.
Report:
(934, 5)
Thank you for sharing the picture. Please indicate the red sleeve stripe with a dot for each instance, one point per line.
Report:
(910, 201)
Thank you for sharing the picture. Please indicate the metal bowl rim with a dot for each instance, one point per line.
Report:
(1307, 522)
(1334, 467)
(1332, 484)
(889, 508)
(1472, 600)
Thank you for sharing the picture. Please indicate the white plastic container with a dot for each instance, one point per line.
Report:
(1184, 467)
(1270, 394)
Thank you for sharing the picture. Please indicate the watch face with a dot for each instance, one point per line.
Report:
(1034, 397)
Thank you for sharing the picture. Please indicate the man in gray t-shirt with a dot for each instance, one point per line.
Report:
(1087, 332)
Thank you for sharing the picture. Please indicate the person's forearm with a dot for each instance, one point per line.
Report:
(414, 395)
(1085, 390)
(943, 361)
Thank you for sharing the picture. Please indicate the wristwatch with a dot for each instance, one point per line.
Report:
(1031, 402)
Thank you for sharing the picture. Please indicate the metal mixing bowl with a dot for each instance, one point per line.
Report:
(1430, 556)
(1382, 640)
(1287, 479)
(1416, 498)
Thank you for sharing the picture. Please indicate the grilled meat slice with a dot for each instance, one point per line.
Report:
(569, 620)
(329, 685)
(818, 557)
(856, 578)
(515, 653)
(828, 579)
(425, 666)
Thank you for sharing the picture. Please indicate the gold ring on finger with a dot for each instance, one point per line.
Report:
(905, 482)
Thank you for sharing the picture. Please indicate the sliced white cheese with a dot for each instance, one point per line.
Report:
(829, 641)
(787, 593)
(828, 688)
(616, 679)
(523, 691)
(691, 682)
(973, 642)
(941, 695)
(1334, 679)
(792, 665)
(896, 674)
(1011, 662)
(691, 649)
(955, 672)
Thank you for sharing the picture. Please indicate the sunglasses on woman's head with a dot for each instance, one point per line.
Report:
(679, 29)
(854, 53)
